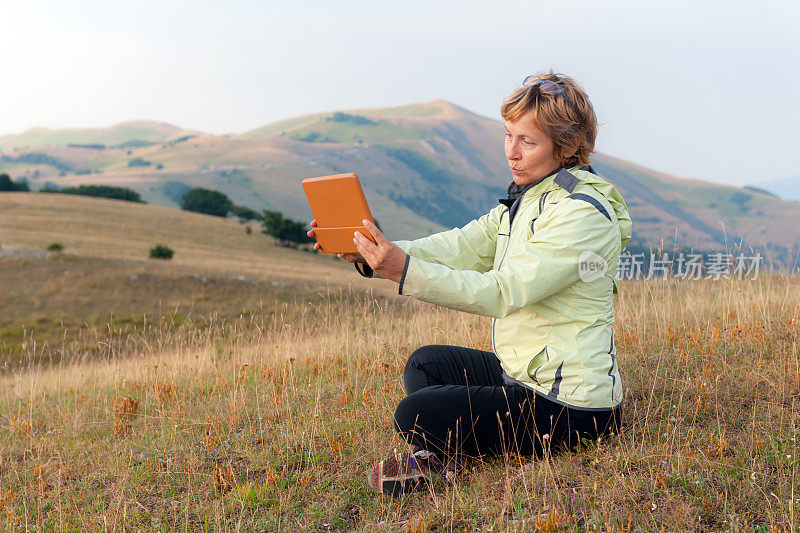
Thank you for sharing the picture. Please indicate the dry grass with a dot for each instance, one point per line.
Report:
(95, 227)
(271, 419)
(75, 308)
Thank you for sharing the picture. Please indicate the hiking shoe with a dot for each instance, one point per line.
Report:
(400, 474)
(430, 462)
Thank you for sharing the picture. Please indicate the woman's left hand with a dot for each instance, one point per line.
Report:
(385, 258)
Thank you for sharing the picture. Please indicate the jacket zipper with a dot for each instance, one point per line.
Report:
(508, 242)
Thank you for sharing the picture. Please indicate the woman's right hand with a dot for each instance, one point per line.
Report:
(351, 258)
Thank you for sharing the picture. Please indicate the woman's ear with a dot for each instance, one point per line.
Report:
(576, 142)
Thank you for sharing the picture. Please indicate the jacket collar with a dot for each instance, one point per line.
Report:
(562, 178)
(518, 191)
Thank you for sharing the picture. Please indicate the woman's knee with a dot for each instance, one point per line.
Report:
(406, 416)
(416, 424)
(414, 375)
(422, 356)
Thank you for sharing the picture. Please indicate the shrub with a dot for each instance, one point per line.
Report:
(103, 191)
(206, 201)
(244, 212)
(36, 158)
(135, 143)
(55, 247)
(92, 146)
(358, 120)
(762, 191)
(139, 162)
(741, 198)
(182, 139)
(161, 252)
(312, 137)
(287, 232)
(7, 184)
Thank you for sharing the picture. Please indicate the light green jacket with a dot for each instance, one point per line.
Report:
(552, 308)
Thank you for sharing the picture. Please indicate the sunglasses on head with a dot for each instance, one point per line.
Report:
(545, 86)
(549, 87)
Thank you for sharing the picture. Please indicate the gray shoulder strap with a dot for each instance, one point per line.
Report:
(566, 180)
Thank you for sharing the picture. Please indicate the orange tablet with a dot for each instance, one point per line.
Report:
(339, 205)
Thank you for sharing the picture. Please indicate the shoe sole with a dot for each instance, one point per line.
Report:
(386, 474)
(396, 488)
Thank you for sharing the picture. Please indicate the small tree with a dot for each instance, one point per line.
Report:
(286, 232)
(206, 201)
(7, 184)
(139, 162)
(102, 191)
(55, 247)
(161, 252)
(244, 212)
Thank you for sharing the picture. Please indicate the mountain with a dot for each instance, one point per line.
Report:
(125, 134)
(700, 212)
(424, 167)
(786, 188)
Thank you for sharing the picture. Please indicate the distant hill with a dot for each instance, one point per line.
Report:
(424, 167)
(786, 188)
(126, 133)
(700, 212)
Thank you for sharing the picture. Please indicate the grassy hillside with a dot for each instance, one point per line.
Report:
(425, 167)
(241, 386)
(702, 212)
(112, 229)
(104, 275)
(126, 132)
(273, 419)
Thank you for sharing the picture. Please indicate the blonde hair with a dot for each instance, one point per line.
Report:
(561, 116)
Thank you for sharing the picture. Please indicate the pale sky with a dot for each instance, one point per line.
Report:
(698, 89)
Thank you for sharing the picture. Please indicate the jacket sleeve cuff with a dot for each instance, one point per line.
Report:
(403, 278)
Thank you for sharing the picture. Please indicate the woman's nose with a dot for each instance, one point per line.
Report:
(512, 152)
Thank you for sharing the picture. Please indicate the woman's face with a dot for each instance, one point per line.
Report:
(529, 151)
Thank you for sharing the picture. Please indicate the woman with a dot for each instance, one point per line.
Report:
(543, 264)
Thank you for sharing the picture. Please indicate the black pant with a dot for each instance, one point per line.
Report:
(457, 404)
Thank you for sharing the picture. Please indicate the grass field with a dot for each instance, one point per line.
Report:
(243, 405)
(114, 229)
